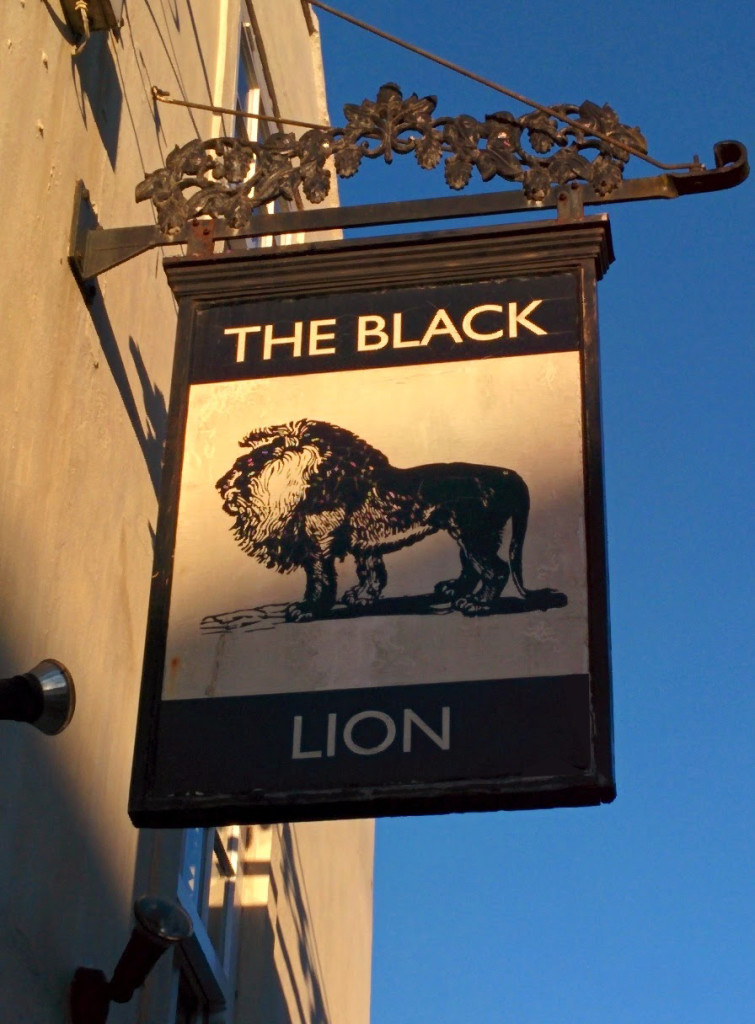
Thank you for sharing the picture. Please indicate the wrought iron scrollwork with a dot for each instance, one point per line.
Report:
(230, 178)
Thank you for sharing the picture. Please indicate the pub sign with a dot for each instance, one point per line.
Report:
(380, 580)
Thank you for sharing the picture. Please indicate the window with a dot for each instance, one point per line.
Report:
(252, 97)
(247, 89)
(208, 891)
(248, 97)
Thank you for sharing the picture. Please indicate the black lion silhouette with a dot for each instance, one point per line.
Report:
(308, 493)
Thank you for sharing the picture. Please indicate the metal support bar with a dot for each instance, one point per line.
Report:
(570, 205)
(94, 250)
(201, 237)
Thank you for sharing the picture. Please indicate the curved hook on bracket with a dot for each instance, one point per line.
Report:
(731, 169)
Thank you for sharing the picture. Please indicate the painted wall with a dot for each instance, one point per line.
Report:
(83, 393)
(307, 900)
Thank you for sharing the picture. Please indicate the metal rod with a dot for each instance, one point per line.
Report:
(105, 249)
(160, 96)
(499, 88)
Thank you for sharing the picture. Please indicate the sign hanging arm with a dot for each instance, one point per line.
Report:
(219, 188)
(94, 249)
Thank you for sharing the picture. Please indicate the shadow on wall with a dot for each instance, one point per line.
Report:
(152, 439)
(61, 902)
(60, 23)
(311, 1002)
(206, 95)
(98, 82)
(262, 994)
(95, 74)
(280, 979)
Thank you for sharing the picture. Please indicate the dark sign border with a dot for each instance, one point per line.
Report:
(551, 738)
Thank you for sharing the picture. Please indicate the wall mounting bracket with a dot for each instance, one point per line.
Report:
(232, 180)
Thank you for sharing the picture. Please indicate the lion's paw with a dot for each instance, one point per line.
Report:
(469, 606)
(299, 613)
(355, 597)
(445, 589)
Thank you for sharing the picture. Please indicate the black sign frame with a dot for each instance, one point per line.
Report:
(523, 742)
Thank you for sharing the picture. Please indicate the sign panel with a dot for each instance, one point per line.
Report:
(380, 545)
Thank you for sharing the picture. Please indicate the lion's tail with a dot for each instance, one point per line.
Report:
(519, 519)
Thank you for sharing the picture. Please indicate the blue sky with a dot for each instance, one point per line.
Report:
(640, 912)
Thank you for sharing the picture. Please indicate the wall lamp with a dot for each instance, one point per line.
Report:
(87, 16)
(44, 697)
(159, 925)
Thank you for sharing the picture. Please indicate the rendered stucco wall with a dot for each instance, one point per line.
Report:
(83, 394)
(307, 901)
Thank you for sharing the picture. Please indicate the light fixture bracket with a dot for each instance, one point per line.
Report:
(102, 15)
(160, 925)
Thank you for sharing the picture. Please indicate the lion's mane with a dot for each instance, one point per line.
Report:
(298, 480)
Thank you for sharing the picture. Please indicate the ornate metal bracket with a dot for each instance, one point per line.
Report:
(231, 180)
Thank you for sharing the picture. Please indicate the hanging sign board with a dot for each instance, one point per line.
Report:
(380, 570)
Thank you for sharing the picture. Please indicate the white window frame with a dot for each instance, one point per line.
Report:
(212, 967)
(258, 101)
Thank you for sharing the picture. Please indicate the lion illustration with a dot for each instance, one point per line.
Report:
(308, 492)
